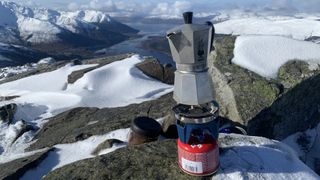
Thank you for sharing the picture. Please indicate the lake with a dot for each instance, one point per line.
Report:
(147, 31)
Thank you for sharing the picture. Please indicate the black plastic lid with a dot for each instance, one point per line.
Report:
(187, 16)
(146, 126)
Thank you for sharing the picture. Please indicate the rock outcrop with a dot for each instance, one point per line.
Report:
(296, 110)
(81, 123)
(248, 93)
(7, 113)
(273, 108)
(7, 98)
(151, 67)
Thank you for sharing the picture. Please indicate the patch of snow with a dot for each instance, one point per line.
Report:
(307, 146)
(4, 159)
(50, 81)
(12, 132)
(260, 158)
(32, 114)
(92, 122)
(264, 55)
(251, 24)
(68, 153)
(48, 60)
(313, 66)
(117, 84)
(55, 102)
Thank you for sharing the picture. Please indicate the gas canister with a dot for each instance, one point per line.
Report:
(199, 157)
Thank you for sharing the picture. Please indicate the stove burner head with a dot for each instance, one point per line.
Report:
(196, 114)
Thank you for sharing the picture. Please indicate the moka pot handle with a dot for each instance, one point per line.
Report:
(212, 35)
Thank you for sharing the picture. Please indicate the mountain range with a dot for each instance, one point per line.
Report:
(55, 33)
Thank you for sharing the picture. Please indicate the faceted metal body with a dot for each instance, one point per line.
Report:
(190, 46)
(192, 88)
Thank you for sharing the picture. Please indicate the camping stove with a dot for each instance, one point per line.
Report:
(198, 151)
(196, 112)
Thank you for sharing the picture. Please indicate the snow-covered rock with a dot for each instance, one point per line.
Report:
(273, 108)
(264, 55)
(73, 152)
(118, 77)
(48, 60)
(48, 94)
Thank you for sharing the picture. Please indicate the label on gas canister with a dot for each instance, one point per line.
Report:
(199, 163)
(192, 166)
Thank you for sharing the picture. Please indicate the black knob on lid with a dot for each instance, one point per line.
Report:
(187, 16)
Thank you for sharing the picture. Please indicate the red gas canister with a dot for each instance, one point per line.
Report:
(197, 158)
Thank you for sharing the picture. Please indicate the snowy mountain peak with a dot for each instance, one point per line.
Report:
(90, 16)
(41, 25)
(54, 32)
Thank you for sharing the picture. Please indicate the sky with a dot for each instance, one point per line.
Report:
(176, 7)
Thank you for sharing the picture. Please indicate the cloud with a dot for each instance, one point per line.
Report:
(102, 5)
(171, 10)
(73, 6)
(30, 3)
(307, 5)
(283, 5)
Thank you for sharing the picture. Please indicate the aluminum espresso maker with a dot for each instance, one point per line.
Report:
(196, 111)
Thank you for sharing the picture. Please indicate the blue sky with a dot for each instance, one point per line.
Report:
(174, 7)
